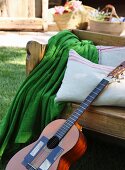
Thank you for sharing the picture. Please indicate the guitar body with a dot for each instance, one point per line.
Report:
(73, 145)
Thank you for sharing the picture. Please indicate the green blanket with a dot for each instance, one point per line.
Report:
(33, 106)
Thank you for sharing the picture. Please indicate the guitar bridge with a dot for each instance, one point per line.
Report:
(40, 156)
(30, 167)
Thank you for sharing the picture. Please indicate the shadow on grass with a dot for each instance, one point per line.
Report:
(8, 53)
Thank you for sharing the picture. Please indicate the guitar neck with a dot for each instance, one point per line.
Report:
(81, 109)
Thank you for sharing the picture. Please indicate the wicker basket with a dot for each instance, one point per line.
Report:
(114, 28)
(106, 26)
(73, 20)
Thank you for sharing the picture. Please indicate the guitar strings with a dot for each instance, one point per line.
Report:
(36, 159)
(40, 157)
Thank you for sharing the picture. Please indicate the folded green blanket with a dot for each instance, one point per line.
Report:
(33, 106)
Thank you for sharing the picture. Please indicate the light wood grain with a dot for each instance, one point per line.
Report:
(100, 38)
(35, 53)
(106, 120)
(22, 24)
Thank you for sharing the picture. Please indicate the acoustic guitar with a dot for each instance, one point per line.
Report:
(61, 142)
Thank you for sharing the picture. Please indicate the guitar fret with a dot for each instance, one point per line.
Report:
(79, 110)
(66, 125)
(75, 116)
(84, 105)
(72, 119)
(58, 135)
(98, 89)
(88, 100)
(63, 128)
(91, 97)
(95, 93)
(102, 84)
(76, 113)
(61, 133)
(69, 122)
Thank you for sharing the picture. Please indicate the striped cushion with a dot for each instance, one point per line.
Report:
(111, 55)
(82, 76)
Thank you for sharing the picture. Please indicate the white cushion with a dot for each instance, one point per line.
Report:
(111, 55)
(82, 76)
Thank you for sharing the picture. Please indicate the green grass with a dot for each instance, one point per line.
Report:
(12, 74)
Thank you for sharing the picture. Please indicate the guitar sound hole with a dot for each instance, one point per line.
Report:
(53, 142)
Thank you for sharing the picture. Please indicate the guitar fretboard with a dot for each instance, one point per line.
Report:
(80, 110)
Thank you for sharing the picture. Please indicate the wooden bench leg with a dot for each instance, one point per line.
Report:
(35, 52)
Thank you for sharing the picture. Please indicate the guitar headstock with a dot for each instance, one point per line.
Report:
(118, 71)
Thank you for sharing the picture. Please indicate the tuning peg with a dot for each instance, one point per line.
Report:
(121, 76)
(118, 81)
(114, 79)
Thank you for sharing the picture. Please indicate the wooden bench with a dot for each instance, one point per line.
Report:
(105, 120)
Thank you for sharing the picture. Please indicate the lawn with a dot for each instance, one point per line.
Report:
(12, 74)
(100, 155)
